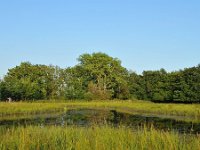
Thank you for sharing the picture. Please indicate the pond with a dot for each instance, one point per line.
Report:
(91, 117)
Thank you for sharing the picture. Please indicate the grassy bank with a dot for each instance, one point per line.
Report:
(95, 137)
(100, 138)
(143, 107)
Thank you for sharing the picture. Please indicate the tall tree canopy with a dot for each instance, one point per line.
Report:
(99, 76)
(30, 82)
(105, 74)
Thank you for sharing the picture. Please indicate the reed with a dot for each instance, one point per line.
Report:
(143, 107)
(94, 138)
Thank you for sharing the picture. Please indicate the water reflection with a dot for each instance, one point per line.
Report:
(89, 117)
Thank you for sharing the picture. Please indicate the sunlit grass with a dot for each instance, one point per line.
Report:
(99, 138)
(95, 137)
(24, 108)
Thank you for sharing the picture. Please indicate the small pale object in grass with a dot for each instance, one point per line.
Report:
(9, 99)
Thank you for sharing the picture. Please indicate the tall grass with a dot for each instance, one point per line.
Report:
(20, 108)
(99, 138)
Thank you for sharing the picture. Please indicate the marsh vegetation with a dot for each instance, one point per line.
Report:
(99, 125)
(100, 138)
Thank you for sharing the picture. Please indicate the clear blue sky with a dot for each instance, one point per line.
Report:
(143, 34)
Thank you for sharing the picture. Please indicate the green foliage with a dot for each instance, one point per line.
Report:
(99, 76)
(106, 73)
(136, 86)
(31, 82)
(73, 85)
(180, 86)
(97, 93)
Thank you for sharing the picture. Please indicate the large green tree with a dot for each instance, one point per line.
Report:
(31, 82)
(105, 73)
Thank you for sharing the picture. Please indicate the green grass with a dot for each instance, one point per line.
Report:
(99, 138)
(18, 108)
(189, 111)
(95, 137)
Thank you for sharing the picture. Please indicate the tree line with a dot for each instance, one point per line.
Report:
(98, 76)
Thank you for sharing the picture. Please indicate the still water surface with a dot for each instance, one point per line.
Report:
(91, 117)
